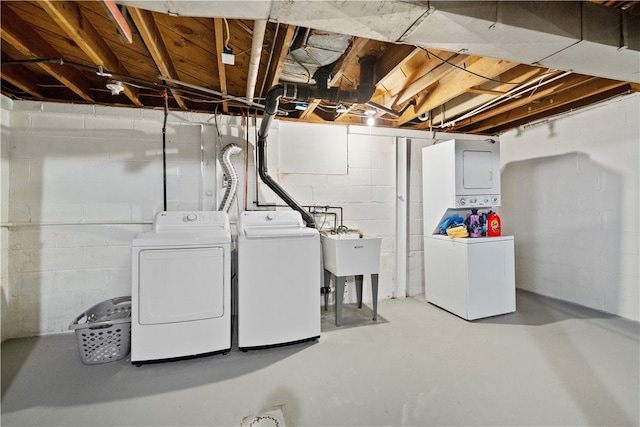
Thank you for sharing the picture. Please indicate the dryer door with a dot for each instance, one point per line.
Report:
(180, 285)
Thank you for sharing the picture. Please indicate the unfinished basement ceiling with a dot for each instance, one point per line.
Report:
(475, 67)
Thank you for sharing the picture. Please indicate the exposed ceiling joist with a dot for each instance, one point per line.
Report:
(30, 44)
(456, 84)
(392, 61)
(351, 56)
(69, 17)
(549, 113)
(535, 92)
(280, 49)
(306, 114)
(149, 32)
(222, 75)
(24, 80)
(430, 73)
(551, 100)
(38, 36)
(118, 20)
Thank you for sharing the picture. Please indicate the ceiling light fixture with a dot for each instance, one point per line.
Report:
(115, 87)
(370, 117)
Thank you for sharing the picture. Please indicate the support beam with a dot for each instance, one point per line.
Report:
(70, 18)
(16, 32)
(153, 40)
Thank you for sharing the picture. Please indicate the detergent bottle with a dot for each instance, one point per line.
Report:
(493, 224)
(475, 228)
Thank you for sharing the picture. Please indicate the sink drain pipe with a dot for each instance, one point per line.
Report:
(306, 93)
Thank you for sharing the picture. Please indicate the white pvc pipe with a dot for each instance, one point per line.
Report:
(259, 28)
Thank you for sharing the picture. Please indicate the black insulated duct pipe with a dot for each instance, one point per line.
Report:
(306, 93)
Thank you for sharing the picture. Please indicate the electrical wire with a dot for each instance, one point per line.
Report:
(226, 40)
(464, 69)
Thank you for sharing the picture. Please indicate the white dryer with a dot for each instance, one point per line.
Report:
(279, 272)
(181, 295)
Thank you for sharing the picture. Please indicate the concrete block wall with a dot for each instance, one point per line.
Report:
(82, 181)
(366, 194)
(570, 191)
(5, 143)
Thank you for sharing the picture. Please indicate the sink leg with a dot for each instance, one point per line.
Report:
(359, 279)
(327, 288)
(339, 296)
(374, 294)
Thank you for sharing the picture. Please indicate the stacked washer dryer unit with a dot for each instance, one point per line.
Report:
(181, 278)
(470, 277)
(278, 279)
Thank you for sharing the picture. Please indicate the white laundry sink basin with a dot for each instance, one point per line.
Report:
(350, 254)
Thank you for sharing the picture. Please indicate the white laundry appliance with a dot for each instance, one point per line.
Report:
(472, 278)
(181, 279)
(279, 273)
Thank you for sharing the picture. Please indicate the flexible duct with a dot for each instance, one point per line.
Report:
(306, 93)
(232, 176)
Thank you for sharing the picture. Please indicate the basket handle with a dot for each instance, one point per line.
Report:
(102, 324)
(115, 301)
(120, 300)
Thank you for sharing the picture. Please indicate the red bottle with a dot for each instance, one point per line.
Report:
(493, 224)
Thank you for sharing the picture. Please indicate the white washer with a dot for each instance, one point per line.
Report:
(181, 278)
(279, 272)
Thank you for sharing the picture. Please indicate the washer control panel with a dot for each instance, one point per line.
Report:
(170, 220)
(477, 201)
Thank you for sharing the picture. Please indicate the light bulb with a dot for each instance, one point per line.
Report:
(371, 121)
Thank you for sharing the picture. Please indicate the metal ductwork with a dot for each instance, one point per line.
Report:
(578, 36)
(305, 93)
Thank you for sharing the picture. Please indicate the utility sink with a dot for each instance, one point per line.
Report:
(350, 255)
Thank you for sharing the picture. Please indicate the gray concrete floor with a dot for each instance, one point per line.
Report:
(550, 363)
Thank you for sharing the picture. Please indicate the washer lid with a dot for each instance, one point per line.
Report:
(190, 228)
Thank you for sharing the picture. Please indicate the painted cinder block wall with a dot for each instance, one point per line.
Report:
(570, 191)
(72, 163)
(93, 174)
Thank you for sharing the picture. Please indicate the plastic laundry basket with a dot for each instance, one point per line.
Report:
(104, 331)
